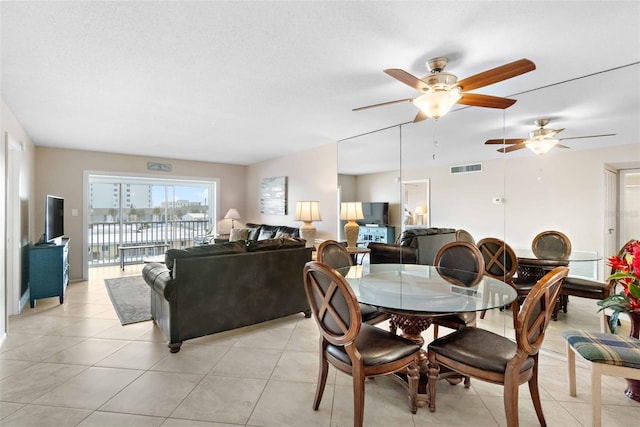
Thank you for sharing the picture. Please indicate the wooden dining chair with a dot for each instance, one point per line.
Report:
(551, 244)
(587, 288)
(353, 347)
(501, 262)
(464, 236)
(335, 254)
(460, 263)
(494, 358)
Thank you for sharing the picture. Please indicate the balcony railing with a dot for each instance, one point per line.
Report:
(106, 237)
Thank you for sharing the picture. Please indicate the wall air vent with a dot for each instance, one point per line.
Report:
(476, 167)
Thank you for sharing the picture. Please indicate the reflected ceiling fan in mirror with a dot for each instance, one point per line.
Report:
(439, 90)
(540, 140)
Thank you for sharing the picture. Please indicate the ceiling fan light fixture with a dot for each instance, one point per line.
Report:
(437, 103)
(540, 145)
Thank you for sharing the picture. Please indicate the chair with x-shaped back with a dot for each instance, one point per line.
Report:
(334, 254)
(353, 347)
(500, 262)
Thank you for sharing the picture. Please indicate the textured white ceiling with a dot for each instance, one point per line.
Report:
(241, 82)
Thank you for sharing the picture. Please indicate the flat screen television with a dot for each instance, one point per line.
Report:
(375, 213)
(54, 218)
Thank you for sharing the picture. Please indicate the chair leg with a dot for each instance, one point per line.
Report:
(358, 396)
(596, 395)
(571, 369)
(433, 372)
(435, 330)
(511, 396)
(535, 394)
(482, 313)
(322, 379)
(414, 377)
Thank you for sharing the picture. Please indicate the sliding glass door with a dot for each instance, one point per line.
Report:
(150, 213)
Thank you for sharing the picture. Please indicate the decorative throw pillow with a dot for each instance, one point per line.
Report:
(239, 234)
(265, 234)
(281, 233)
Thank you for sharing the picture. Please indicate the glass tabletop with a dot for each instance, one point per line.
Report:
(424, 289)
(574, 256)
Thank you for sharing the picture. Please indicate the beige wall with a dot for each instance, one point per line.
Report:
(10, 127)
(563, 191)
(61, 172)
(312, 175)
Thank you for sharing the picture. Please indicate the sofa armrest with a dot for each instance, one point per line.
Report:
(383, 253)
(159, 279)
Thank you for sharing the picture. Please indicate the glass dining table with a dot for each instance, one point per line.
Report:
(415, 295)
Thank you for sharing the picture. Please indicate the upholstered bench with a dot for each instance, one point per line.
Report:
(607, 354)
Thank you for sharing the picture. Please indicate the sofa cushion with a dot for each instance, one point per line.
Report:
(271, 244)
(239, 234)
(273, 231)
(265, 234)
(254, 231)
(283, 233)
(205, 250)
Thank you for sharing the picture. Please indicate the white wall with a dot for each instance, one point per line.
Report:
(9, 125)
(312, 175)
(563, 190)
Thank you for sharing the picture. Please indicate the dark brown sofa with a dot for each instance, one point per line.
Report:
(414, 246)
(217, 287)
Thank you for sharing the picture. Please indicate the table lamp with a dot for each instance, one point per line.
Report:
(351, 211)
(232, 214)
(420, 213)
(308, 211)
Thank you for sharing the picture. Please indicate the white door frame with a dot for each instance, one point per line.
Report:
(13, 250)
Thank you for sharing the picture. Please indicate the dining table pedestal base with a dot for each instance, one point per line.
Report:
(412, 327)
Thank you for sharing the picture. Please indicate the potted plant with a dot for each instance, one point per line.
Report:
(626, 272)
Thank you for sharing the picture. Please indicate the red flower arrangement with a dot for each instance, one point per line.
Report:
(626, 272)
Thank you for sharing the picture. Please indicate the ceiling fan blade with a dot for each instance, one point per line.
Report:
(512, 148)
(420, 117)
(406, 78)
(383, 103)
(588, 136)
(478, 100)
(506, 141)
(497, 74)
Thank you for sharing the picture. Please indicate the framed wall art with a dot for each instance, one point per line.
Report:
(273, 196)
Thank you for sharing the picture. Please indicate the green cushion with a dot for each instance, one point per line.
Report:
(598, 347)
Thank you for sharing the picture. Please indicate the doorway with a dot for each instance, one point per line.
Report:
(415, 204)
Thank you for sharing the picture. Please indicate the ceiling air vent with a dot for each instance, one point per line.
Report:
(476, 167)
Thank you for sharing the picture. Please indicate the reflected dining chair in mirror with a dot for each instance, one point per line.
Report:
(491, 357)
(551, 249)
(353, 347)
(501, 262)
(551, 244)
(587, 288)
(334, 254)
(464, 236)
(460, 263)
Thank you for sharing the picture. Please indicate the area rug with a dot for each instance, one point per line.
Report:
(131, 297)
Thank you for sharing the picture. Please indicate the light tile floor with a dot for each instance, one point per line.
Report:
(75, 365)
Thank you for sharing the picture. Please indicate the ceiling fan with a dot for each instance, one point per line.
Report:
(540, 140)
(439, 90)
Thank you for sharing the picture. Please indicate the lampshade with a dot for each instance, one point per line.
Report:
(308, 211)
(421, 210)
(351, 211)
(540, 145)
(437, 103)
(232, 214)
